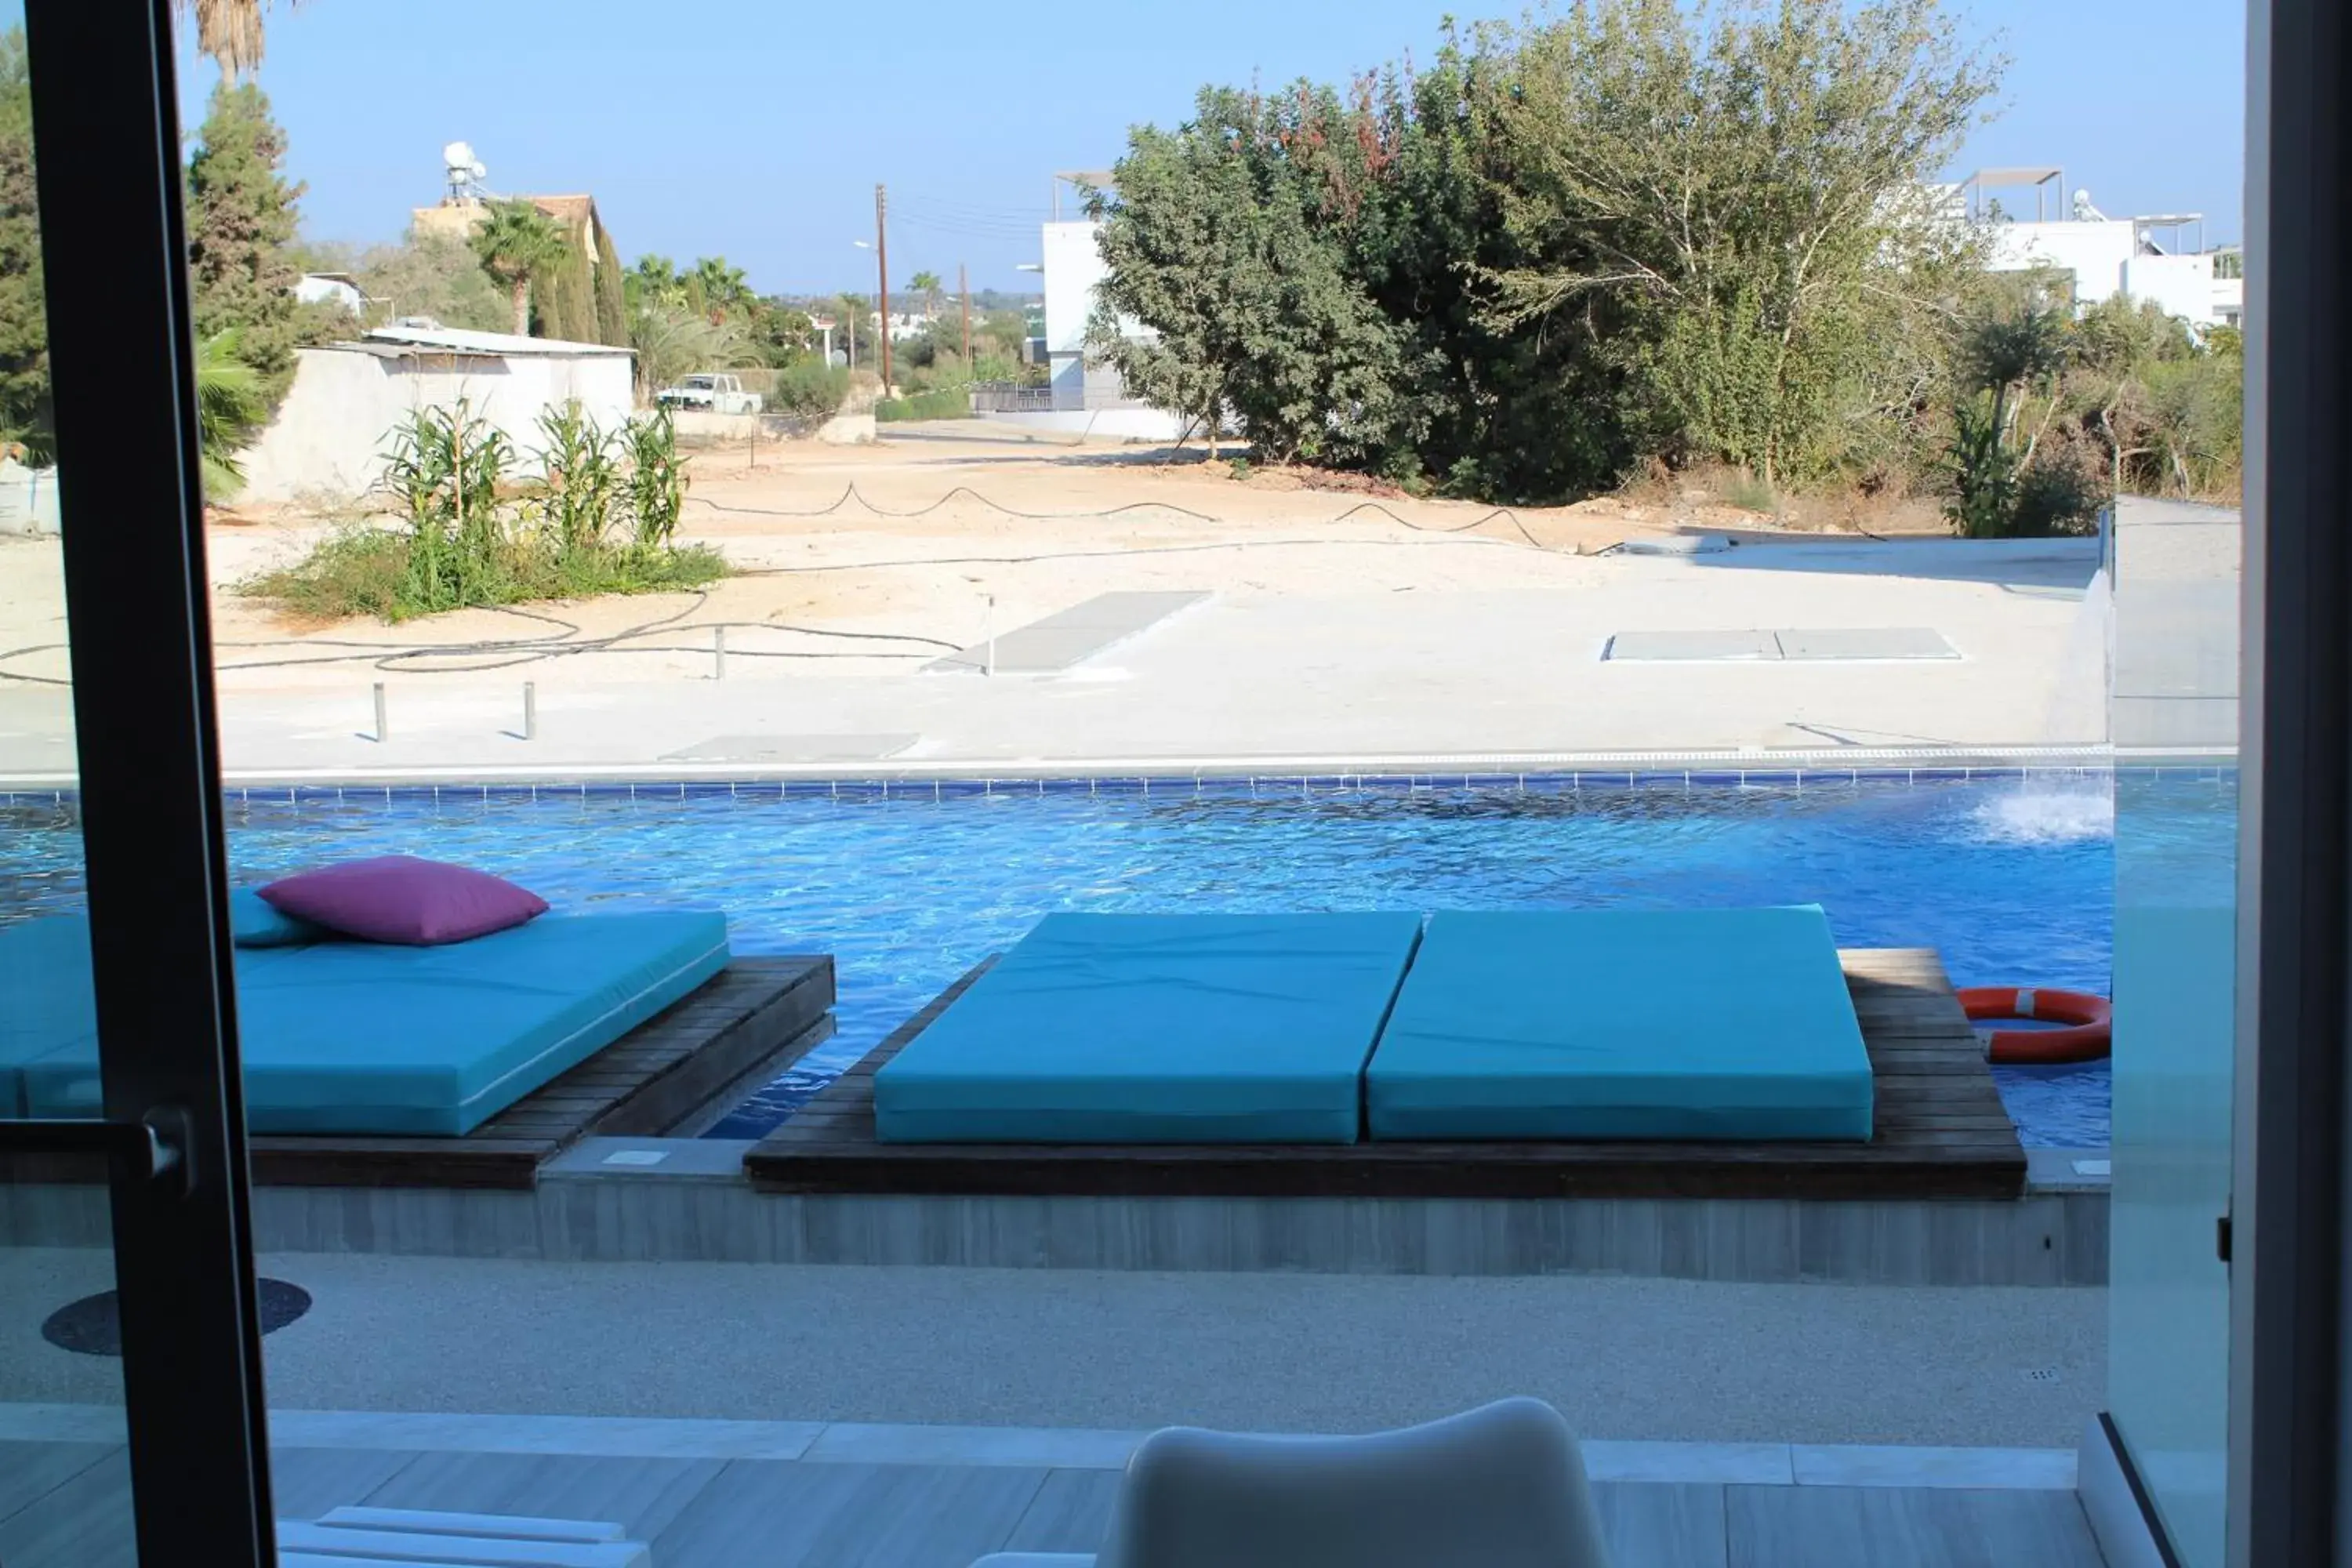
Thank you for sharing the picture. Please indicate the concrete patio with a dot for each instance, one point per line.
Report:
(720, 1494)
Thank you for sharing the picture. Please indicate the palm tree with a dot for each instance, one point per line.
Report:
(516, 242)
(230, 409)
(230, 31)
(724, 288)
(654, 282)
(671, 340)
(928, 286)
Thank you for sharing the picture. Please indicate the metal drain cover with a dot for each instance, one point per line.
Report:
(91, 1326)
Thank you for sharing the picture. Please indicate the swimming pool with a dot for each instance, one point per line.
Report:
(2012, 880)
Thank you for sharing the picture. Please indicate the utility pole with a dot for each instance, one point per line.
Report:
(963, 286)
(882, 266)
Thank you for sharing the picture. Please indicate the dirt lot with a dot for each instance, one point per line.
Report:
(1338, 621)
(910, 537)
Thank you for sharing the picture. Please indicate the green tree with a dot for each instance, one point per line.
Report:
(653, 281)
(720, 290)
(932, 291)
(515, 245)
(2004, 484)
(2004, 354)
(241, 224)
(1744, 177)
(1216, 240)
(672, 341)
(854, 329)
(612, 294)
(432, 274)
(783, 332)
(563, 292)
(24, 322)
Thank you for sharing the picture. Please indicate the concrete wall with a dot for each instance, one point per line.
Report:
(28, 500)
(2094, 252)
(2184, 286)
(1129, 424)
(331, 432)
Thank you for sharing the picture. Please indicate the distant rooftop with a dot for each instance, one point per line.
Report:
(2022, 175)
(456, 340)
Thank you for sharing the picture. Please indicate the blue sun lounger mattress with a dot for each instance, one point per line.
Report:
(45, 1001)
(365, 1037)
(1157, 1029)
(1623, 1024)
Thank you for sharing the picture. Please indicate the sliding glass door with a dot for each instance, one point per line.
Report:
(129, 1399)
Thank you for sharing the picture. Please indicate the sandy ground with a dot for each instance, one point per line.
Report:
(1339, 622)
(825, 539)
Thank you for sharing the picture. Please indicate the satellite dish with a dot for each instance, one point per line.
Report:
(480, 172)
(458, 155)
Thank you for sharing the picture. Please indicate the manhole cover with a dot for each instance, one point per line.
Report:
(88, 1327)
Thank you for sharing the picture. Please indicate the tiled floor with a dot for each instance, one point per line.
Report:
(908, 1498)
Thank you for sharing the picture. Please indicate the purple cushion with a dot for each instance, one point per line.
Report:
(401, 899)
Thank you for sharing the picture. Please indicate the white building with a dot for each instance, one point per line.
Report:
(331, 287)
(2152, 257)
(331, 434)
(1087, 396)
(1073, 272)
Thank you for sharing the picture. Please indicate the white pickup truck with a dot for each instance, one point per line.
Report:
(711, 393)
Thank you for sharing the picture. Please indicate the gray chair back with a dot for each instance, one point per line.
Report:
(1499, 1487)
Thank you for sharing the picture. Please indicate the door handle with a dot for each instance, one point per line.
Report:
(156, 1147)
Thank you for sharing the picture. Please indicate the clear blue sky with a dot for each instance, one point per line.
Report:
(758, 130)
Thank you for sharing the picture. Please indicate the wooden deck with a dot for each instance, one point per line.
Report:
(1941, 1133)
(756, 1011)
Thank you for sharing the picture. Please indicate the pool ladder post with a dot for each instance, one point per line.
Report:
(530, 711)
(719, 653)
(990, 629)
(382, 733)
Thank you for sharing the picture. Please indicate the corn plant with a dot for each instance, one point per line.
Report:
(657, 479)
(444, 468)
(583, 485)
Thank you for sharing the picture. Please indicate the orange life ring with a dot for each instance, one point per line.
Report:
(2090, 1037)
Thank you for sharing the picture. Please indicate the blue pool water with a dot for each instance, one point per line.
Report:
(2011, 881)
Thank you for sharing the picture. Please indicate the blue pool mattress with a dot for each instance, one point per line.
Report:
(362, 1037)
(44, 1000)
(1157, 1029)
(1623, 1024)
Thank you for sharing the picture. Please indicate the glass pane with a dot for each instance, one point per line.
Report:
(1261, 557)
(65, 1480)
(2177, 696)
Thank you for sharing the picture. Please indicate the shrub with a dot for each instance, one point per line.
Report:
(1983, 473)
(1748, 493)
(460, 539)
(809, 389)
(947, 402)
(2061, 492)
